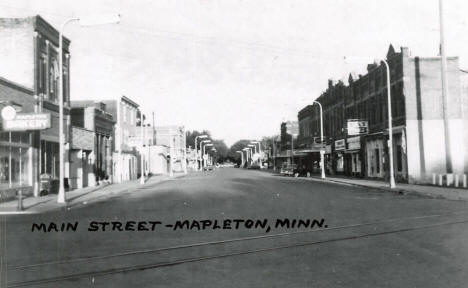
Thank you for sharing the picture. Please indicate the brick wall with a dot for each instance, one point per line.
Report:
(82, 139)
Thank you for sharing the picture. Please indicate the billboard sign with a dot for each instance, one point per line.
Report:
(357, 127)
(27, 121)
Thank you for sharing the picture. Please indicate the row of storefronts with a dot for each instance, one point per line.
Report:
(426, 142)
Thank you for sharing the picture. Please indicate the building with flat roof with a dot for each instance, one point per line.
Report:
(29, 59)
(355, 121)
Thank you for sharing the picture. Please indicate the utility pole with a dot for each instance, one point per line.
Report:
(445, 90)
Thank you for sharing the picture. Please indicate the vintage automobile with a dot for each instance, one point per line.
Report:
(288, 169)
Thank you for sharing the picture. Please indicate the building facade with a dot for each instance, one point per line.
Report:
(34, 66)
(92, 116)
(424, 141)
(16, 151)
(174, 138)
(125, 156)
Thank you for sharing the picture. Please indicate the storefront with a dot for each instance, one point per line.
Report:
(338, 156)
(15, 163)
(353, 157)
(375, 155)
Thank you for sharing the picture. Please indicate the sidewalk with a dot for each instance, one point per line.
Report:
(77, 197)
(402, 188)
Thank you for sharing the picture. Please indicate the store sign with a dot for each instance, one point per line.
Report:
(340, 145)
(8, 113)
(354, 143)
(292, 128)
(357, 127)
(27, 121)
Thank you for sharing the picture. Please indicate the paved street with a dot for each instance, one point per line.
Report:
(373, 238)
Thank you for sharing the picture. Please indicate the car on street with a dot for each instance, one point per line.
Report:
(301, 172)
(288, 169)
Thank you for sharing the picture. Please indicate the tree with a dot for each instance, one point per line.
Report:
(190, 137)
(238, 146)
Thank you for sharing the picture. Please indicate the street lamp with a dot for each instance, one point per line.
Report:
(390, 120)
(84, 21)
(247, 155)
(253, 146)
(142, 176)
(201, 144)
(259, 145)
(196, 146)
(322, 152)
(204, 147)
(390, 128)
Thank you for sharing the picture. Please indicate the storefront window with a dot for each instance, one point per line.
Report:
(14, 160)
(50, 158)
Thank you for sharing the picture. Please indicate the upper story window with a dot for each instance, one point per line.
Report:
(124, 113)
(53, 81)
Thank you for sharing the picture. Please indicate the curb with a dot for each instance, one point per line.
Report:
(398, 191)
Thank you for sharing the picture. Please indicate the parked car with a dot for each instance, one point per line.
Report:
(254, 166)
(288, 170)
(301, 171)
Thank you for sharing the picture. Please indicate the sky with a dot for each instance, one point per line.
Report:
(237, 68)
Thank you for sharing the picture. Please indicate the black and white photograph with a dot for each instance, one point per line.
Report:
(233, 143)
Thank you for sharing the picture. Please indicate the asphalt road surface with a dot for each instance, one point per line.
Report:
(348, 237)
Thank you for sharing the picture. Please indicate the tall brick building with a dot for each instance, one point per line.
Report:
(29, 57)
(419, 142)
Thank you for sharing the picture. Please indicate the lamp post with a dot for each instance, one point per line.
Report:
(204, 147)
(445, 90)
(390, 120)
(142, 176)
(202, 162)
(254, 147)
(390, 128)
(259, 151)
(247, 155)
(322, 152)
(84, 21)
(196, 148)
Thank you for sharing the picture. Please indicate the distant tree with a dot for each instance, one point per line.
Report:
(190, 137)
(238, 146)
(221, 150)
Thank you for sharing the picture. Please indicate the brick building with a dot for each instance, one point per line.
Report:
(282, 147)
(419, 141)
(16, 151)
(29, 57)
(93, 116)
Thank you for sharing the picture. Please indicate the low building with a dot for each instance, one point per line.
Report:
(173, 137)
(93, 116)
(16, 151)
(125, 156)
(82, 158)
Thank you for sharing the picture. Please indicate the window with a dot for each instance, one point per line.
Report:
(53, 81)
(399, 158)
(124, 113)
(377, 161)
(43, 74)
